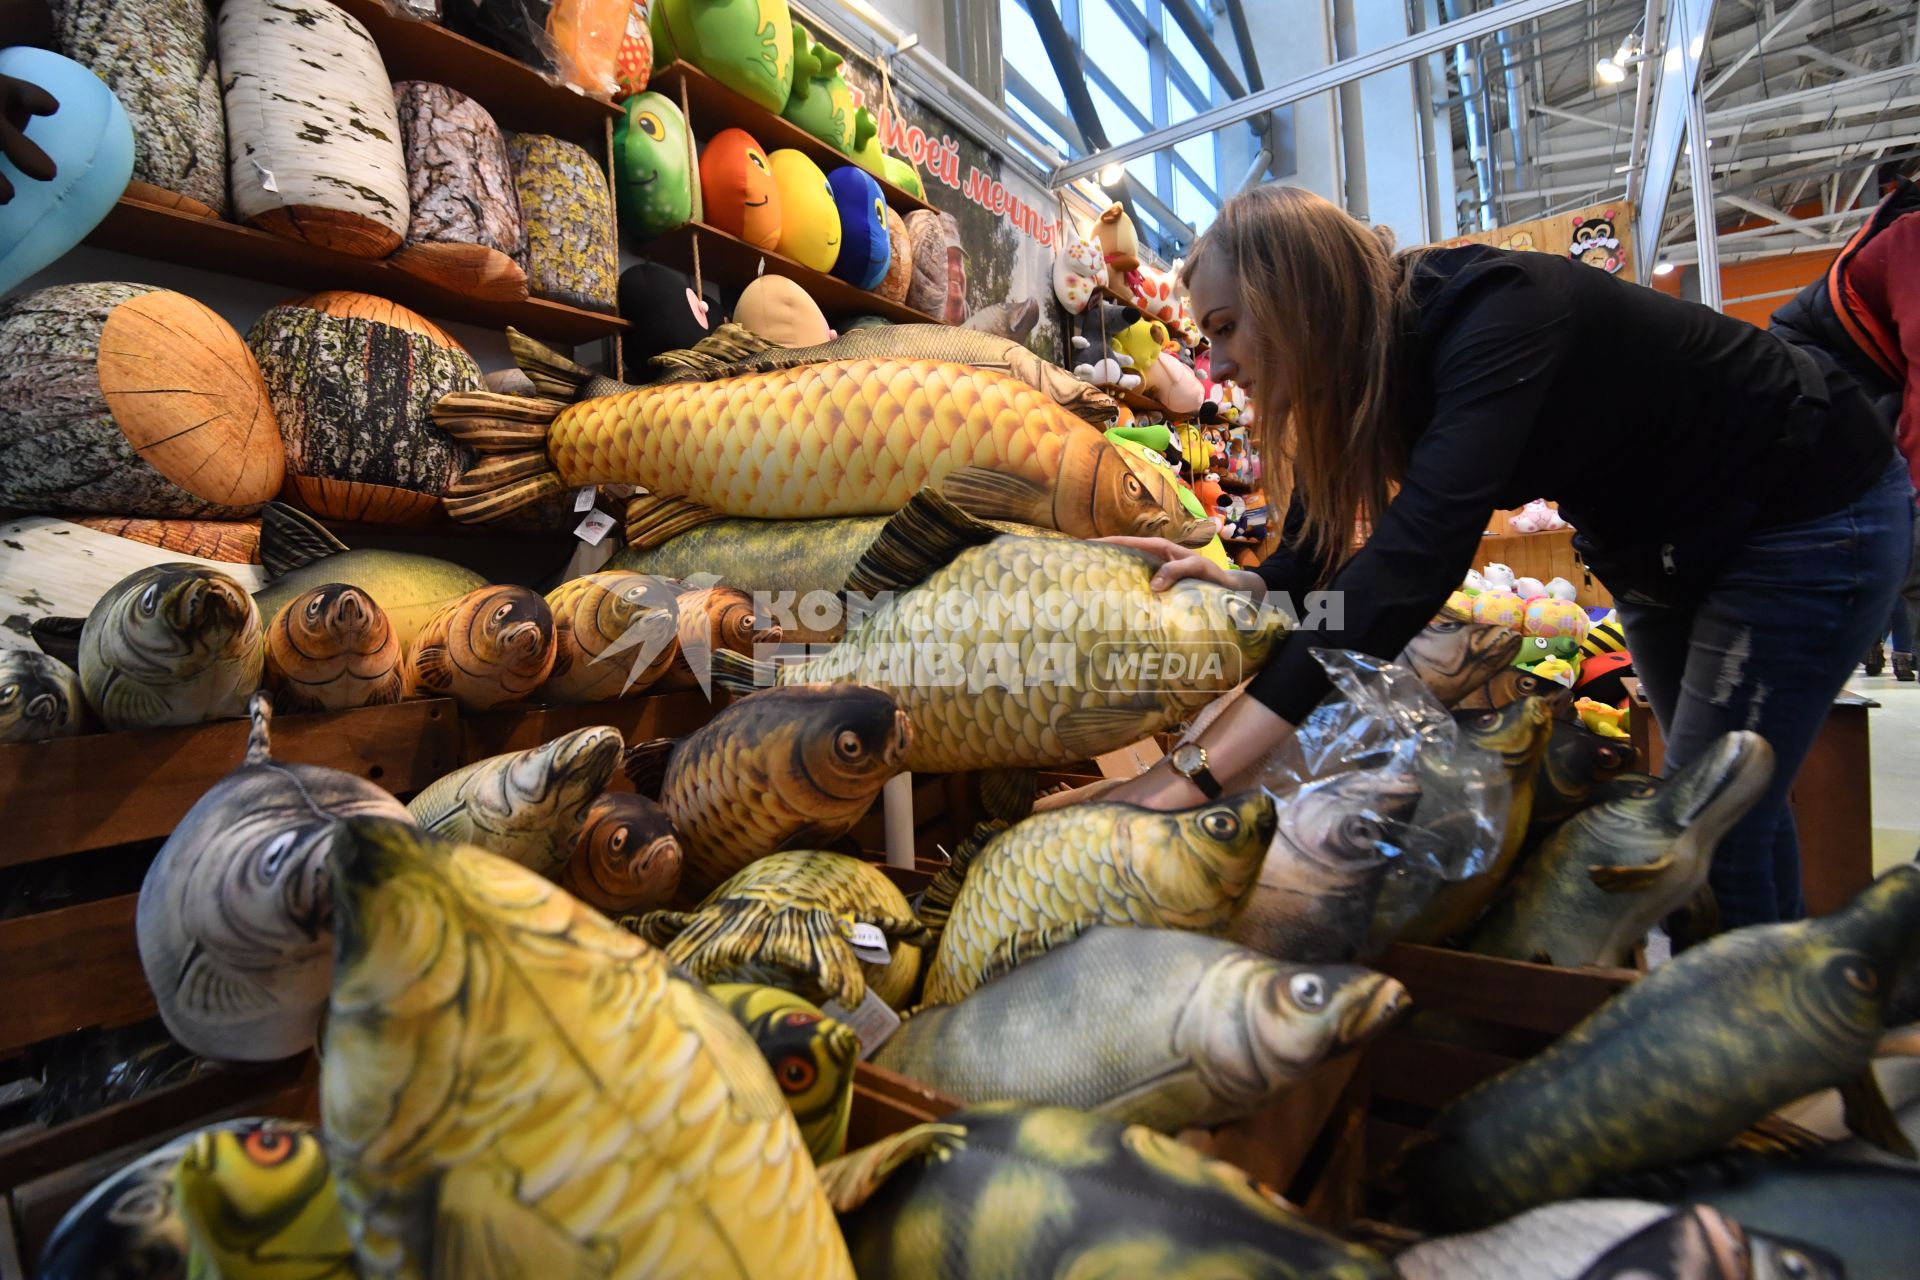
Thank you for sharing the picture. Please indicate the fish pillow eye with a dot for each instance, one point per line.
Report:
(737, 188)
(809, 219)
(864, 251)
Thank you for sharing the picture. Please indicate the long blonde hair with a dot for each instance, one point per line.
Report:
(1327, 304)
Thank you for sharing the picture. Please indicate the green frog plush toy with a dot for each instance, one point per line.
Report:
(747, 45)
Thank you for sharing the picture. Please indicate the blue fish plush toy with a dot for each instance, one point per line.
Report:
(90, 142)
(864, 248)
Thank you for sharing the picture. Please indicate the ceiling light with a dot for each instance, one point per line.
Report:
(1113, 175)
(1609, 71)
(1663, 268)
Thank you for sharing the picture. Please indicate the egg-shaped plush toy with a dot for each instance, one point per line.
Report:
(777, 309)
(737, 190)
(1499, 608)
(1550, 616)
(90, 142)
(658, 190)
(903, 175)
(809, 218)
(864, 248)
(1459, 607)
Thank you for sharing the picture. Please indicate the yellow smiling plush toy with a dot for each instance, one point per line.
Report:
(809, 220)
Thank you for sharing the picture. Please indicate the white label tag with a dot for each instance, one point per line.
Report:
(873, 1022)
(870, 944)
(583, 500)
(266, 179)
(593, 528)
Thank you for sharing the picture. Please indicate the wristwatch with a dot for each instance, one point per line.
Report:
(1190, 761)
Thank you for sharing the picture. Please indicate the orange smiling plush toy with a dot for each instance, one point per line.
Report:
(737, 187)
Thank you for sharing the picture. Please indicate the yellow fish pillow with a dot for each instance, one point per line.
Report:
(809, 220)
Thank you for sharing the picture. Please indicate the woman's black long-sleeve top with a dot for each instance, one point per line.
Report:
(1534, 376)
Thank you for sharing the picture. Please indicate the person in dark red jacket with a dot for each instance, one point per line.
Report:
(1865, 314)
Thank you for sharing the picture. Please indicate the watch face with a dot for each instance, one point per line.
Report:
(1188, 757)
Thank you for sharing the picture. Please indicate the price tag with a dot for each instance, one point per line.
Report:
(583, 500)
(593, 528)
(266, 178)
(873, 1022)
(870, 944)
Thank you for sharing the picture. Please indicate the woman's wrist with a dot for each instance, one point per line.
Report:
(1164, 787)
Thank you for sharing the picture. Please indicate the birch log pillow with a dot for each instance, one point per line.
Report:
(465, 231)
(157, 57)
(313, 141)
(572, 255)
(354, 379)
(130, 400)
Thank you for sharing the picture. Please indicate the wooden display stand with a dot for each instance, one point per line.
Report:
(1831, 799)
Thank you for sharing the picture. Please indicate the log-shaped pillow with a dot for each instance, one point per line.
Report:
(465, 231)
(900, 260)
(129, 400)
(313, 142)
(157, 57)
(354, 379)
(572, 252)
(939, 270)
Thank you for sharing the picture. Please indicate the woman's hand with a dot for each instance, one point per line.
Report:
(1185, 562)
(19, 101)
(1158, 788)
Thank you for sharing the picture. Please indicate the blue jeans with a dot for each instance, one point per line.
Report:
(1767, 648)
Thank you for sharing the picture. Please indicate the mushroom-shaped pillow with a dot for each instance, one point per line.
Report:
(899, 276)
(777, 309)
(809, 219)
(737, 189)
(864, 252)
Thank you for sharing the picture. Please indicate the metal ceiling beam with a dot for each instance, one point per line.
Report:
(1344, 71)
(1686, 25)
(1761, 45)
(1706, 232)
(1065, 60)
(1818, 94)
(1772, 214)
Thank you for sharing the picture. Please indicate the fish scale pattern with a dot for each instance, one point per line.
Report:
(1095, 864)
(853, 437)
(548, 1094)
(992, 656)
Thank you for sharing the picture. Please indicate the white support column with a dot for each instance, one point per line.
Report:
(1686, 24)
(1706, 234)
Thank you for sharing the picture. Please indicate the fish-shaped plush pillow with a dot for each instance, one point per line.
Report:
(737, 189)
(653, 157)
(864, 247)
(809, 217)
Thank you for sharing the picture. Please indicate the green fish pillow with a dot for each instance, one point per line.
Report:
(865, 249)
(903, 175)
(659, 191)
(747, 45)
(821, 102)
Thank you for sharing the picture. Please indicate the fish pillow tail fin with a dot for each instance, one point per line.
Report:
(260, 733)
(995, 495)
(1008, 794)
(739, 935)
(646, 766)
(1870, 1118)
(899, 929)
(737, 673)
(658, 927)
(923, 536)
(654, 519)
(59, 638)
(493, 504)
(1028, 945)
(551, 373)
(495, 422)
(936, 901)
(853, 1179)
(291, 539)
(708, 358)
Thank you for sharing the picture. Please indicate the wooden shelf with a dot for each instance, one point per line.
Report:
(734, 262)
(711, 107)
(228, 248)
(519, 98)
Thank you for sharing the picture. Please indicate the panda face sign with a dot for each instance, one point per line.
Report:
(1596, 245)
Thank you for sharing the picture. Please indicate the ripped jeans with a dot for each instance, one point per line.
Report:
(1769, 645)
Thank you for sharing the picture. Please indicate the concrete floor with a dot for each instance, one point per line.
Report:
(1895, 730)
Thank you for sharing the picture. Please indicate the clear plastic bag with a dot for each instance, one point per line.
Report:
(1382, 718)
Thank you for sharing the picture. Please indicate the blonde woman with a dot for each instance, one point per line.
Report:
(1739, 497)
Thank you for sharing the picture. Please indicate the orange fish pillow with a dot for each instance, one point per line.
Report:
(737, 188)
